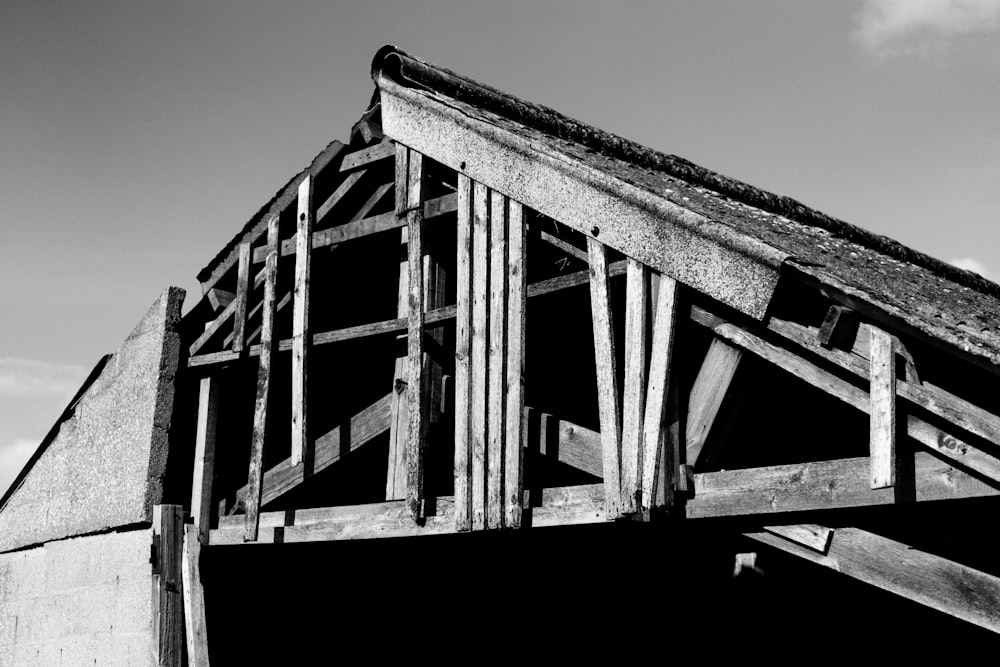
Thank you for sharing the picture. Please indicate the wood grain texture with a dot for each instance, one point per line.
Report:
(882, 411)
(480, 337)
(495, 420)
(416, 397)
(810, 535)
(607, 382)
(196, 629)
(168, 609)
(463, 340)
(300, 323)
(634, 396)
(517, 264)
(366, 156)
(260, 422)
(204, 455)
(660, 435)
(925, 578)
(712, 384)
(242, 298)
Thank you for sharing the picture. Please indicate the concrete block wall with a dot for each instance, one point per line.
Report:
(79, 601)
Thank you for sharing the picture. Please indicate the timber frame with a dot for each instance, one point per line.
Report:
(475, 223)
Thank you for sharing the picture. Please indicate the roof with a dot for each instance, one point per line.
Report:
(957, 307)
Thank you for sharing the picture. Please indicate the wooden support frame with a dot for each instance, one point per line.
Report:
(711, 387)
(196, 630)
(480, 337)
(463, 348)
(168, 598)
(204, 455)
(516, 300)
(634, 398)
(660, 440)
(496, 356)
(300, 323)
(417, 399)
(882, 410)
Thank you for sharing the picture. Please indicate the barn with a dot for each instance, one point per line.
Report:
(486, 376)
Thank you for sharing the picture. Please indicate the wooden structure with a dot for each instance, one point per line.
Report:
(481, 315)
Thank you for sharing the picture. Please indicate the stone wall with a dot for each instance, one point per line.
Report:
(80, 601)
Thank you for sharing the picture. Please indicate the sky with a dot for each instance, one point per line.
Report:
(136, 137)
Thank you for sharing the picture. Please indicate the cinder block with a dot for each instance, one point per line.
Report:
(133, 607)
(125, 556)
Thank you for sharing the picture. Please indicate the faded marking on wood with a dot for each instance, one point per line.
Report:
(204, 456)
(810, 535)
(263, 385)
(168, 603)
(607, 383)
(463, 337)
(480, 335)
(196, 629)
(925, 578)
(242, 297)
(660, 434)
(634, 397)
(516, 299)
(882, 438)
(713, 383)
(300, 323)
(495, 421)
(417, 399)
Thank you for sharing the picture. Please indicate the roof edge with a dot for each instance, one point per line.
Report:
(407, 70)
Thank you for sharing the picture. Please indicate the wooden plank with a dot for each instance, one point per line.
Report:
(810, 535)
(359, 430)
(480, 335)
(168, 538)
(373, 201)
(821, 485)
(516, 309)
(713, 383)
(204, 455)
(366, 156)
(300, 323)
(634, 397)
(212, 329)
(882, 413)
(338, 195)
(607, 383)
(194, 600)
(219, 298)
(497, 354)
(660, 442)
(836, 326)
(263, 385)
(565, 246)
(417, 399)
(463, 336)
(925, 578)
(242, 297)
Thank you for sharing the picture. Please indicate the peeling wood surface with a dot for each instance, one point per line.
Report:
(882, 411)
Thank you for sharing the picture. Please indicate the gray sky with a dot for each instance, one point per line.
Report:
(136, 137)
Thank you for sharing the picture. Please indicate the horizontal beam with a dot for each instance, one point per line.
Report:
(930, 580)
(557, 507)
(366, 156)
(823, 485)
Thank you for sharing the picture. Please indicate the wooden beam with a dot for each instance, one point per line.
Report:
(194, 600)
(417, 399)
(300, 323)
(242, 298)
(607, 382)
(516, 299)
(373, 201)
(837, 326)
(711, 386)
(495, 420)
(930, 580)
(366, 156)
(823, 485)
(882, 411)
(659, 441)
(480, 335)
(463, 337)
(338, 195)
(168, 602)
(204, 455)
(565, 246)
(212, 329)
(634, 398)
(809, 535)
(263, 385)
(219, 298)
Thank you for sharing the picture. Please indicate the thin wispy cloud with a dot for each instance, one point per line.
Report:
(29, 378)
(972, 264)
(13, 456)
(922, 27)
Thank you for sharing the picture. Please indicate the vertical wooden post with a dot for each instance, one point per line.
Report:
(168, 602)
(478, 390)
(204, 456)
(607, 382)
(495, 422)
(883, 410)
(399, 419)
(242, 296)
(194, 600)
(516, 307)
(263, 385)
(300, 322)
(463, 337)
(417, 405)
(654, 435)
(634, 399)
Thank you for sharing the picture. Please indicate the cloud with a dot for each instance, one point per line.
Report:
(922, 27)
(29, 378)
(12, 458)
(972, 264)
